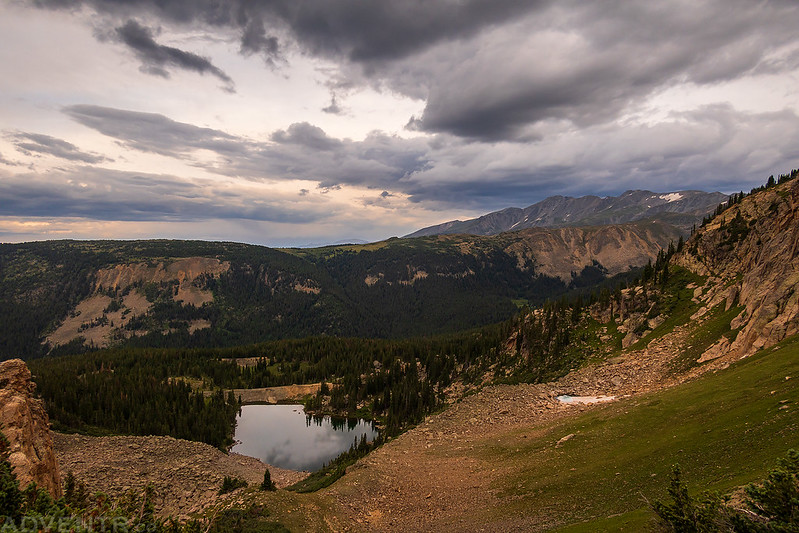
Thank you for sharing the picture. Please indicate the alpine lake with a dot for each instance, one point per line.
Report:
(286, 437)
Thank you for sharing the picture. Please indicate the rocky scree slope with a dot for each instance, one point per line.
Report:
(186, 476)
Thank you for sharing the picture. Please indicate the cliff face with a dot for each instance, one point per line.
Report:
(750, 254)
(25, 423)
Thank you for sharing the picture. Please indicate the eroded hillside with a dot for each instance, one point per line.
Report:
(121, 295)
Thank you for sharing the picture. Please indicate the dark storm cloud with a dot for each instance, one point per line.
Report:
(360, 31)
(369, 32)
(157, 58)
(151, 132)
(496, 70)
(589, 62)
(333, 108)
(104, 194)
(712, 148)
(30, 143)
(305, 152)
(302, 151)
(254, 40)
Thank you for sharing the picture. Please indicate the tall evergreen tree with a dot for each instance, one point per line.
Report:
(267, 483)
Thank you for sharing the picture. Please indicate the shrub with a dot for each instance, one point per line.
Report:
(229, 484)
(774, 505)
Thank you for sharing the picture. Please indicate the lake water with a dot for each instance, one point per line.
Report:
(284, 436)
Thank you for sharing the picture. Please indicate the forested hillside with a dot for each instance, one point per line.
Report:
(70, 296)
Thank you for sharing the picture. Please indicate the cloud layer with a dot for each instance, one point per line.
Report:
(511, 101)
(37, 143)
(103, 194)
(716, 146)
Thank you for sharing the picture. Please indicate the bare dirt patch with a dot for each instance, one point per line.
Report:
(90, 320)
(191, 295)
(196, 325)
(136, 302)
(86, 312)
(245, 362)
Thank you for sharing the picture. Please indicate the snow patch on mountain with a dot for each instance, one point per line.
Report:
(671, 197)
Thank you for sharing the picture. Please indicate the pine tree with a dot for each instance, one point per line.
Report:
(267, 483)
(777, 499)
(10, 495)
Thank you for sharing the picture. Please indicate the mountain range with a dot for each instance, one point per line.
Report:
(682, 209)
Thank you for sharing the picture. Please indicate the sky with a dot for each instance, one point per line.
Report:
(307, 122)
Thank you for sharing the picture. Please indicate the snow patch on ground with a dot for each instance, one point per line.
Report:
(565, 398)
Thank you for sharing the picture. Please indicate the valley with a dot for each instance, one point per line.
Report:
(270, 266)
(497, 461)
(698, 347)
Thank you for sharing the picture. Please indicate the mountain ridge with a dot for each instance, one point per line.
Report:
(681, 209)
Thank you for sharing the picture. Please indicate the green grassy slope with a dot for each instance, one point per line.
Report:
(725, 430)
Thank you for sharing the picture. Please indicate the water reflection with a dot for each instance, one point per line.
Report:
(284, 436)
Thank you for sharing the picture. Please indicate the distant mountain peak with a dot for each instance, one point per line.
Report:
(682, 209)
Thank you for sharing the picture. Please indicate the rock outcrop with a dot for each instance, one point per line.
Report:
(25, 423)
(750, 255)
